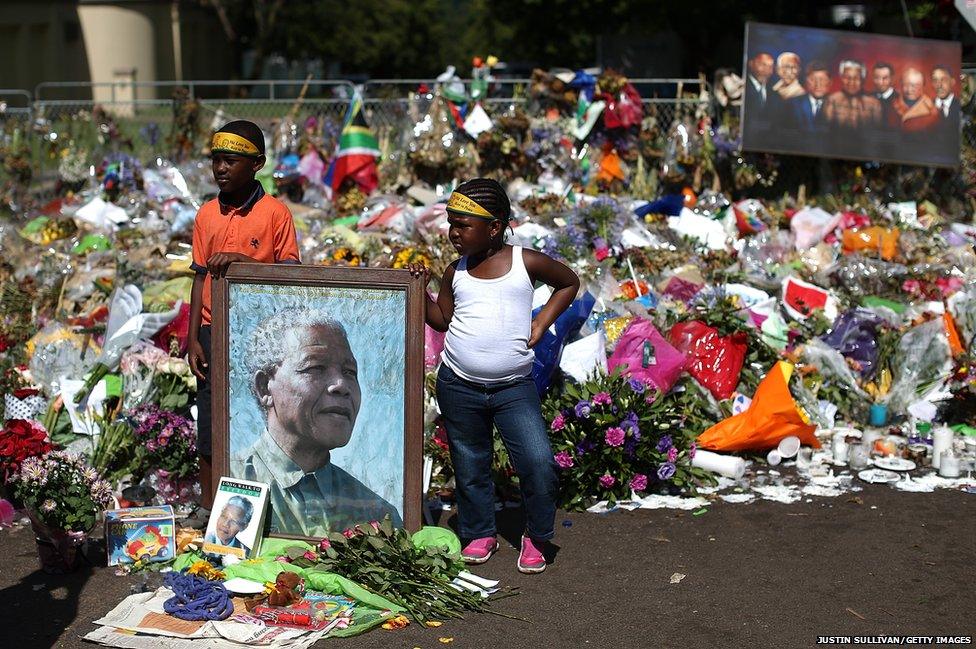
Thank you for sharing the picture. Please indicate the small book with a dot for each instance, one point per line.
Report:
(237, 518)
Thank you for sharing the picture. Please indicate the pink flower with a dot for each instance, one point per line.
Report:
(607, 480)
(349, 533)
(282, 558)
(375, 525)
(672, 454)
(311, 556)
(638, 482)
(911, 286)
(602, 253)
(650, 398)
(692, 450)
(324, 545)
(564, 459)
(948, 285)
(601, 399)
(615, 436)
(558, 422)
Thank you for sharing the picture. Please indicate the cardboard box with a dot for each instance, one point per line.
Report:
(140, 533)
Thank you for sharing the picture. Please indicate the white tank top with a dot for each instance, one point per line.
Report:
(488, 338)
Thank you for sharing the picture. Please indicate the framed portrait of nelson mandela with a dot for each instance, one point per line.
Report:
(317, 391)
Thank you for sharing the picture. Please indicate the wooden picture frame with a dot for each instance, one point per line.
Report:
(257, 305)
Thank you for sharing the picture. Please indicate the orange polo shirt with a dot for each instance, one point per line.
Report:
(262, 228)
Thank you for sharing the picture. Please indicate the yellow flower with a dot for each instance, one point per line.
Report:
(203, 569)
(397, 622)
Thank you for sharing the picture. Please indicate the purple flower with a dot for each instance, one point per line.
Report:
(638, 482)
(637, 385)
(584, 447)
(664, 444)
(607, 480)
(692, 450)
(672, 454)
(564, 460)
(558, 422)
(650, 398)
(629, 424)
(666, 471)
(583, 409)
(601, 399)
(630, 446)
(614, 436)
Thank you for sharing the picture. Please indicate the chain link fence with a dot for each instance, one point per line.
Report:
(150, 119)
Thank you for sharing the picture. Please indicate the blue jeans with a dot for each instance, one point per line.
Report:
(470, 410)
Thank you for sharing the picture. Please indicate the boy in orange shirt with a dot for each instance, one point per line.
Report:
(241, 224)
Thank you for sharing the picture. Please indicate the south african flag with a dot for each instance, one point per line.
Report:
(358, 150)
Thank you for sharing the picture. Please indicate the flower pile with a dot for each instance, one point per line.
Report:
(62, 491)
(613, 436)
(386, 562)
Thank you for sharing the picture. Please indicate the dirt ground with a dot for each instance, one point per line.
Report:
(755, 575)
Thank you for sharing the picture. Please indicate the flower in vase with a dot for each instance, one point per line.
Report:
(601, 399)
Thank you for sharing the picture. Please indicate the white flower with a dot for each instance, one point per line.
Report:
(48, 505)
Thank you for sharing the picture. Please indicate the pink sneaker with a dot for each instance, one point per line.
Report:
(530, 559)
(479, 550)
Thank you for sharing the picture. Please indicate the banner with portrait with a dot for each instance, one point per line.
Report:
(317, 392)
(849, 95)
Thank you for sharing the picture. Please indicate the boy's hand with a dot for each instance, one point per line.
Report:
(217, 265)
(197, 359)
(418, 269)
(536, 333)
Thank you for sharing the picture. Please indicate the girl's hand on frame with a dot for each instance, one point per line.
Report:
(418, 269)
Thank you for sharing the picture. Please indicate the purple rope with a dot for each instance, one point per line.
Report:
(196, 599)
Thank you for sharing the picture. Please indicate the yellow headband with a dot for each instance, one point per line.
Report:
(233, 143)
(463, 205)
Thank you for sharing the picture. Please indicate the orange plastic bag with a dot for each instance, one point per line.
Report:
(772, 416)
(873, 238)
(955, 342)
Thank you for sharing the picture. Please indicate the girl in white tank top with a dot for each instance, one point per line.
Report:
(485, 306)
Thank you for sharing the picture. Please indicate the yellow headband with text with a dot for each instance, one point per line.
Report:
(233, 143)
(463, 205)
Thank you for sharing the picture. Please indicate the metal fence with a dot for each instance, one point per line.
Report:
(144, 119)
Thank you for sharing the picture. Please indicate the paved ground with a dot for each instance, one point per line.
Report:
(756, 575)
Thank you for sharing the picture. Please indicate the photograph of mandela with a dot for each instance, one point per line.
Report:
(306, 382)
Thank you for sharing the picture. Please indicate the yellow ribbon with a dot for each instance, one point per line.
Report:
(463, 205)
(233, 143)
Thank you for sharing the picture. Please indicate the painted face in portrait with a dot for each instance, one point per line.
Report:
(850, 80)
(230, 523)
(788, 68)
(943, 83)
(314, 393)
(882, 79)
(761, 67)
(818, 83)
(911, 85)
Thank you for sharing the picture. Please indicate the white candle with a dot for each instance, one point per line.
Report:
(941, 440)
(949, 465)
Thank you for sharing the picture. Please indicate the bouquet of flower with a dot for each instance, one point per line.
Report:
(20, 439)
(613, 436)
(61, 492)
(152, 375)
(168, 441)
(385, 561)
(597, 225)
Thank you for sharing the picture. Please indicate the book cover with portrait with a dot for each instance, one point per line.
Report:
(237, 518)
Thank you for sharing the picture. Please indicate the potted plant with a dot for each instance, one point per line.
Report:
(63, 497)
(167, 447)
